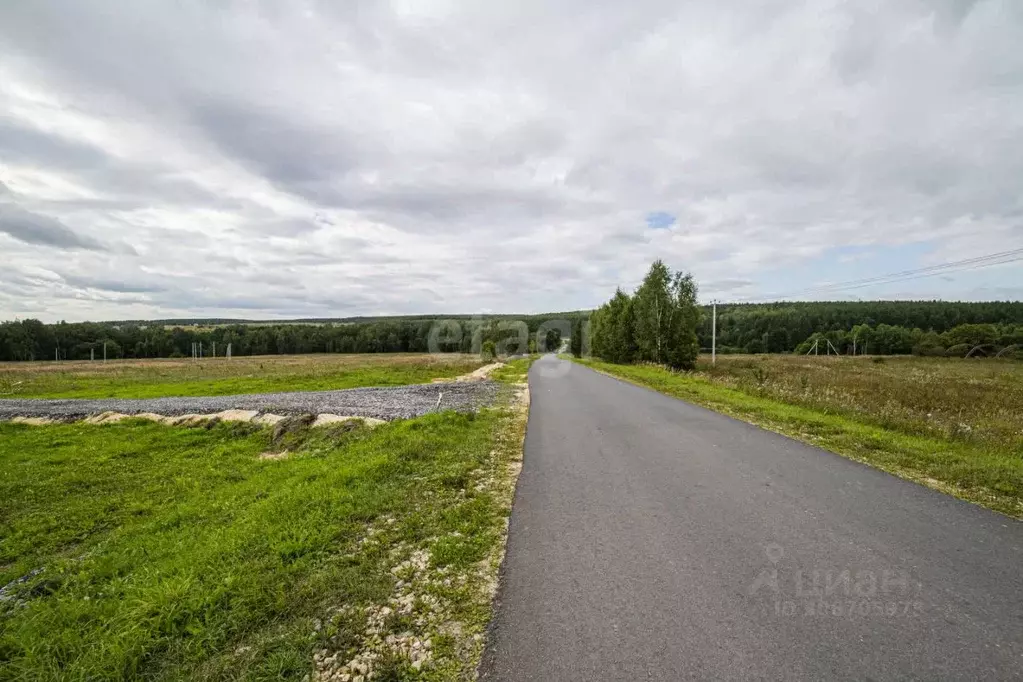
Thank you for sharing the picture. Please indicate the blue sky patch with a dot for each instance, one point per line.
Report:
(659, 220)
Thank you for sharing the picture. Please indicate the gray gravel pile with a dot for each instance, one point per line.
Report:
(388, 403)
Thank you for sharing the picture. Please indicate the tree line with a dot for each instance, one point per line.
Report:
(886, 339)
(33, 340)
(628, 327)
(652, 327)
(784, 327)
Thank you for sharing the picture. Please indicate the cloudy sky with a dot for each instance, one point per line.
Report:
(301, 158)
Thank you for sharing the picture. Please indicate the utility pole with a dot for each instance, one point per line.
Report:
(104, 351)
(92, 355)
(714, 333)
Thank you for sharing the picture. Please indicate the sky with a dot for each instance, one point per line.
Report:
(266, 160)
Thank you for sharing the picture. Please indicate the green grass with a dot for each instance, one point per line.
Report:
(211, 377)
(515, 371)
(985, 468)
(174, 553)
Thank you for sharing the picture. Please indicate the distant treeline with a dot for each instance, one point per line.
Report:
(33, 340)
(879, 327)
(882, 327)
(884, 339)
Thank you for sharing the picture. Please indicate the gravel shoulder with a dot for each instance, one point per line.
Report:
(387, 403)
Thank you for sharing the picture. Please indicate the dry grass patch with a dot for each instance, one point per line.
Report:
(972, 400)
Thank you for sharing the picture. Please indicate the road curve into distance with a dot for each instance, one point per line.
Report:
(655, 540)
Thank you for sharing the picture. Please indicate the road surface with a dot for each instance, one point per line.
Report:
(655, 540)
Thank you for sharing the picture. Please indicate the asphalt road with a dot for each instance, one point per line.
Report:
(655, 540)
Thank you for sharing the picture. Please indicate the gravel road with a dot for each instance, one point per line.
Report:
(398, 402)
(654, 540)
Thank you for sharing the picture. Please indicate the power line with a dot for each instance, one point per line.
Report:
(911, 275)
(964, 265)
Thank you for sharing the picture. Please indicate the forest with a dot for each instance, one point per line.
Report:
(873, 327)
(32, 340)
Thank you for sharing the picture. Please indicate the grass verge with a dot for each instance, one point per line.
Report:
(979, 472)
(139, 550)
(213, 377)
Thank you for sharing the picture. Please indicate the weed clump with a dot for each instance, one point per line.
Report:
(291, 431)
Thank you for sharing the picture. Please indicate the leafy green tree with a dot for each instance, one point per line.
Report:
(552, 341)
(576, 341)
(666, 318)
(684, 345)
(929, 344)
(971, 334)
(653, 313)
(489, 351)
(612, 329)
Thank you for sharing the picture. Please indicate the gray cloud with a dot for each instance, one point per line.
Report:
(379, 157)
(293, 153)
(25, 144)
(33, 228)
(115, 285)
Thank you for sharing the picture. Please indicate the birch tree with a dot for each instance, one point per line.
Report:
(666, 318)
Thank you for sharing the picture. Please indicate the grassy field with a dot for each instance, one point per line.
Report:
(140, 550)
(208, 377)
(952, 424)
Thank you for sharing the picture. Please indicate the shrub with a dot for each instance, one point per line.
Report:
(958, 351)
(928, 351)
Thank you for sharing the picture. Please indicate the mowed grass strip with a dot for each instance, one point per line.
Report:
(887, 427)
(220, 376)
(139, 550)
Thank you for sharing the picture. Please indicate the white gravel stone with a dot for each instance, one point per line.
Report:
(384, 403)
(236, 415)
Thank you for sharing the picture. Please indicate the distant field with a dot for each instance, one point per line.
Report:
(953, 424)
(220, 376)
